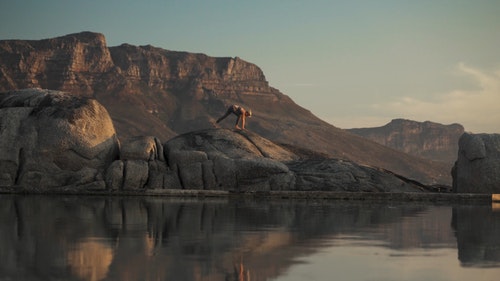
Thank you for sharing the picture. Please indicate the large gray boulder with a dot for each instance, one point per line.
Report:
(224, 159)
(477, 169)
(53, 139)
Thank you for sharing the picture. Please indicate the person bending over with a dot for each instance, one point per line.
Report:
(238, 111)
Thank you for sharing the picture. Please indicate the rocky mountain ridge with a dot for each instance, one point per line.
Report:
(427, 139)
(151, 91)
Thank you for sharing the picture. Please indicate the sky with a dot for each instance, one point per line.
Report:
(351, 63)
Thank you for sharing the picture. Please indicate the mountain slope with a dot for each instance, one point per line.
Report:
(153, 91)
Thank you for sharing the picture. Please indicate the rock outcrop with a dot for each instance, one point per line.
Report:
(150, 91)
(339, 175)
(53, 139)
(241, 161)
(229, 160)
(50, 139)
(477, 169)
(429, 140)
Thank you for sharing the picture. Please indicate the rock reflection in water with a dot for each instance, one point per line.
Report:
(478, 235)
(90, 260)
(94, 238)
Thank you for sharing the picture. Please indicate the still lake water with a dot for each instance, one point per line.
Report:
(152, 238)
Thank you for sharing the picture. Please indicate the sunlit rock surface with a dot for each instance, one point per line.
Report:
(53, 139)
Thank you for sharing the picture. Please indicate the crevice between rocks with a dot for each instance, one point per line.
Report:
(181, 182)
(20, 160)
(124, 175)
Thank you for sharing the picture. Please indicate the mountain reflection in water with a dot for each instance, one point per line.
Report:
(151, 238)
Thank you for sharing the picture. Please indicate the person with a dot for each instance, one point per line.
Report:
(238, 111)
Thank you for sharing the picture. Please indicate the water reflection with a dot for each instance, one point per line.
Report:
(478, 235)
(93, 238)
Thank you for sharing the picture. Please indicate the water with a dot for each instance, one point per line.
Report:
(131, 238)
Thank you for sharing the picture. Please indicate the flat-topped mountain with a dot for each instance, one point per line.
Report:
(427, 139)
(162, 93)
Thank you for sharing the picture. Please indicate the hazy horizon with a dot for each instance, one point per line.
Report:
(353, 64)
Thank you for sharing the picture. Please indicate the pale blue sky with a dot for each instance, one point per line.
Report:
(352, 63)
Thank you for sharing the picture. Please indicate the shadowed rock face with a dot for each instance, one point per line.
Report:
(339, 175)
(53, 139)
(150, 91)
(477, 169)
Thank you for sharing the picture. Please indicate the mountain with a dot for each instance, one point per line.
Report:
(427, 139)
(153, 91)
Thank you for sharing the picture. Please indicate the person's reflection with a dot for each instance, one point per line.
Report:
(240, 273)
(477, 230)
(243, 275)
(90, 260)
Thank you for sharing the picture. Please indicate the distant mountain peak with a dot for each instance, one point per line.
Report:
(426, 139)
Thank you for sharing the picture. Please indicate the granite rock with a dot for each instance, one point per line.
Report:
(49, 139)
(52, 139)
(477, 169)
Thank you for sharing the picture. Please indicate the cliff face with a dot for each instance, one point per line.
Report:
(423, 139)
(68, 63)
(147, 90)
(152, 91)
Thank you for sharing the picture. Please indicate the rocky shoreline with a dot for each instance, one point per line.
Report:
(55, 143)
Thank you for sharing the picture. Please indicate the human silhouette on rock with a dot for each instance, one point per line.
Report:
(238, 111)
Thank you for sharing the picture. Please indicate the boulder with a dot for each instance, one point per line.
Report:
(142, 166)
(243, 161)
(53, 139)
(136, 174)
(230, 143)
(114, 175)
(228, 160)
(161, 177)
(477, 169)
(142, 147)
